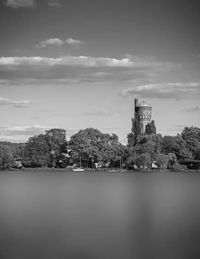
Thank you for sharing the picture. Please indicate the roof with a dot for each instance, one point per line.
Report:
(143, 104)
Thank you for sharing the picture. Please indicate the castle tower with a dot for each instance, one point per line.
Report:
(142, 117)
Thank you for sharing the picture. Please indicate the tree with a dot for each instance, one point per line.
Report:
(130, 157)
(176, 145)
(37, 152)
(17, 149)
(56, 140)
(85, 145)
(45, 149)
(150, 144)
(172, 160)
(131, 139)
(94, 146)
(162, 160)
(63, 157)
(6, 157)
(150, 128)
(192, 137)
(143, 161)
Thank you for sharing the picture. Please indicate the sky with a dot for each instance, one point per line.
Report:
(75, 64)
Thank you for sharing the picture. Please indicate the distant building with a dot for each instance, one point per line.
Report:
(142, 117)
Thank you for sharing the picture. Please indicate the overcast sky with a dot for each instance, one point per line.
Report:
(80, 63)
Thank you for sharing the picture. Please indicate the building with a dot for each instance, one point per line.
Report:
(142, 117)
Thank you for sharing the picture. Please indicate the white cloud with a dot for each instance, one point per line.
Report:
(6, 101)
(25, 130)
(84, 61)
(23, 133)
(176, 90)
(71, 41)
(54, 41)
(58, 42)
(20, 3)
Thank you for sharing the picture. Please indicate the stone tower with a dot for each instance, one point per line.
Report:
(142, 117)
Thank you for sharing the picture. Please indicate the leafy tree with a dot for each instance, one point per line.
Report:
(46, 149)
(192, 137)
(172, 160)
(150, 144)
(94, 146)
(6, 157)
(143, 161)
(150, 128)
(130, 157)
(162, 160)
(85, 145)
(131, 139)
(37, 152)
(56, 139)
(191, 133)
(63, 157)
(176, 145)
(17, 149)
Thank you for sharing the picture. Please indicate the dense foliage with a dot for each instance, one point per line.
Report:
(150, 128)
(93, 147)
(96, 149)
(166, 151)
(45, 149)
(6, 157)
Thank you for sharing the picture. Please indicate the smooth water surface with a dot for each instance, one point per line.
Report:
(58, 214)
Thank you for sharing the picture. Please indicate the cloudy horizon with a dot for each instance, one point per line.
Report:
(79, 64)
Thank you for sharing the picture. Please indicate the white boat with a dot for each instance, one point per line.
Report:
(78, 169)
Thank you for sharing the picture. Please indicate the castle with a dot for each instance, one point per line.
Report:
(142, 117)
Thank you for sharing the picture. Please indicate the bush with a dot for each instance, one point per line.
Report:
(178, 168)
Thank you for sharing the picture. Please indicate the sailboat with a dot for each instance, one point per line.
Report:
(79, 169)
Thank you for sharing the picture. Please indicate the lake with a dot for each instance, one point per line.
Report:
(62, 214)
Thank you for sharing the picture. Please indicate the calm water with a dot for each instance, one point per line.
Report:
(85, 215)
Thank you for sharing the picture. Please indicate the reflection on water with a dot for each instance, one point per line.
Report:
(67, 215)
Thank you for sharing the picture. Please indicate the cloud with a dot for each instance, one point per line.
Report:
(6, 101)
(71, 41)
(194, 109)
(25, 130)
(58, 42)
(20, 3)
(176, 90)
(83, 61)
(30, 70)
(22, 133)
(54, 41)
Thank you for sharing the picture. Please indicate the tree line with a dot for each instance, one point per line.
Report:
(96, 149)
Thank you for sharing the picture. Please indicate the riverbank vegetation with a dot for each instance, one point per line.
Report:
(94, 149)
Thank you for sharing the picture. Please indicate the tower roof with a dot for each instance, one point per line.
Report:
(143, 104)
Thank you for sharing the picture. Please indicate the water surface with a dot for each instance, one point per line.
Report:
(58, 214)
